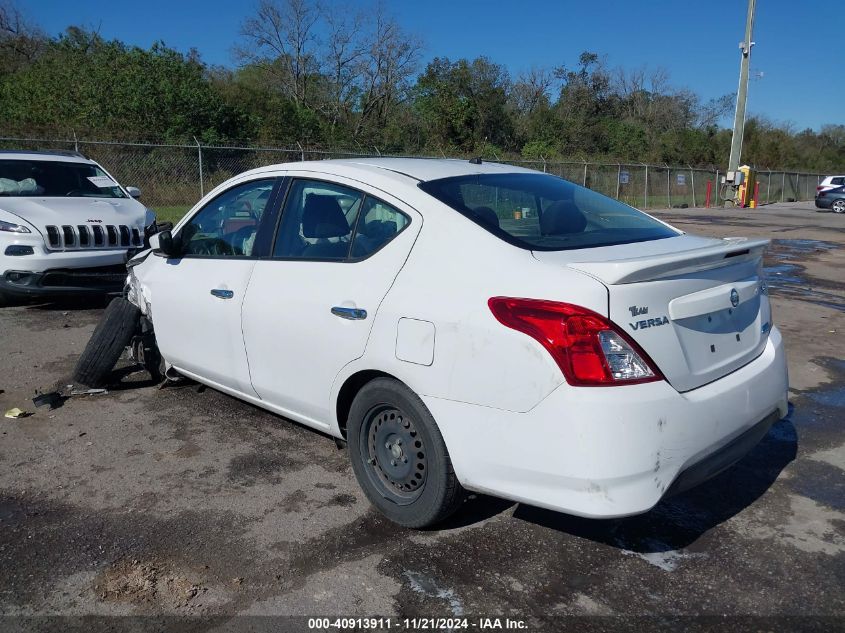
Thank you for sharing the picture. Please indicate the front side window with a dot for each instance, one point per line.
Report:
(227, 226)
(56, 179)
(543, 212)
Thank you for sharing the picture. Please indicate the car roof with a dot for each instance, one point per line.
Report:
(418, 169)
(425, 169)
(56, 155)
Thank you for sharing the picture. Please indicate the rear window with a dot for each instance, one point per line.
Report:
(544, 212)
(56, 179)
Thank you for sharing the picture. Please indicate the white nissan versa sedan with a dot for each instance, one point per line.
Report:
(467, 326)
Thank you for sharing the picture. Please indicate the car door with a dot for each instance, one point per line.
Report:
(197, 297)
(309, 308)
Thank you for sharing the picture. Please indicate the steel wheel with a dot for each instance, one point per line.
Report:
(838, 206)
(399, 457)
(394, 453)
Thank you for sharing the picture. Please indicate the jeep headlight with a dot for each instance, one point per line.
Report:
(9, 227)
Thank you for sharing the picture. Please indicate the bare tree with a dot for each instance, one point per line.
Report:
(386, 69)
(20, 40)
(281, 37)
(531, 89)
(713, 110)
(344, 51)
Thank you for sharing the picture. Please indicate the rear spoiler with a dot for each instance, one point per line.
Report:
(734, 250)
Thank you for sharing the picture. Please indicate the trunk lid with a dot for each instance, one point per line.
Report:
(697, 306)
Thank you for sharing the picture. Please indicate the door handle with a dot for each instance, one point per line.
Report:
(222, 294)
(352, 314)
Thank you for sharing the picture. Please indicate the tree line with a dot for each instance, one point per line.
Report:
(329, 77)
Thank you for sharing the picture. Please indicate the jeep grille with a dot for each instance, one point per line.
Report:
(83, 237)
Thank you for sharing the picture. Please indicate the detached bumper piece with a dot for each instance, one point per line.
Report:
(64, 281)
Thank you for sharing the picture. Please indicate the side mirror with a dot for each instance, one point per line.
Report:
(134, 192)
(165, 244)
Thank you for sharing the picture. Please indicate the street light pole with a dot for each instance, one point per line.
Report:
(741, 95)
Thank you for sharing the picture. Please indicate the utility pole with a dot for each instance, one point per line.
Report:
(741, 98)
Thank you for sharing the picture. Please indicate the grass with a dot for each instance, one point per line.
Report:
(170, 214)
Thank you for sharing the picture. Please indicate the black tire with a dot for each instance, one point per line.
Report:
(120, 322)
(422, 490)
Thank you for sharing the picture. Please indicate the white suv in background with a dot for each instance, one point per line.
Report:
(66, 225)
(830, 182)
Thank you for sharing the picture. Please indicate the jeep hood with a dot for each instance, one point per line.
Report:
(41, 212)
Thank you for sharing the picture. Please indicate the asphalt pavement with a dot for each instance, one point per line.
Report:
(182, 501)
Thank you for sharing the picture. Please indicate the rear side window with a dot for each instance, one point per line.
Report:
(378, 224)
(325, 221)
(838, 181)
(317, 221)
(543, 212)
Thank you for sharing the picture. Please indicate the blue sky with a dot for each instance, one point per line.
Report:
(695, 41)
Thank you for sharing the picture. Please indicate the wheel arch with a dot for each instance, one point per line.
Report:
(350, 388)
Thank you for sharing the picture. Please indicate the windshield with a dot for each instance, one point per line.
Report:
(544, 212)
(51, 179)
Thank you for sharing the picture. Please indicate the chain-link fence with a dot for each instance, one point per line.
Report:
(173, 177)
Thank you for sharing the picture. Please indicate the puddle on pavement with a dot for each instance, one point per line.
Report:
(821, 408)
(833, 394)
(817, 417)
(802, 247)
(787, 278)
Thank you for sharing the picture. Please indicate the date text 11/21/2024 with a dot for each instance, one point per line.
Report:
(416, 624)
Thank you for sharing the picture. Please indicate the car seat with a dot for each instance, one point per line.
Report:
(487, 216)
(322, 218)
(562, 218)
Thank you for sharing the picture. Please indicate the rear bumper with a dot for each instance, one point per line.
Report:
(63, 281)
(823, 203)
(611, 452)
(723, 458)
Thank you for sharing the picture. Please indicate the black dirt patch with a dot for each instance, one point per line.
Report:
(139, 558)
(261, 466)
(294, 502)
(343, 500)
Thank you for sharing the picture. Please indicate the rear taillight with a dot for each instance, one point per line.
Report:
(819, 188)
(588, 348)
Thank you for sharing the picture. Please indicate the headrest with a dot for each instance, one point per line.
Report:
(379, 229)
(486, 215)
(323, 217)
(562, 218)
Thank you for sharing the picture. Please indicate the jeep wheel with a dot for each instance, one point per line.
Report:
(120, 322)
(399, 457)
